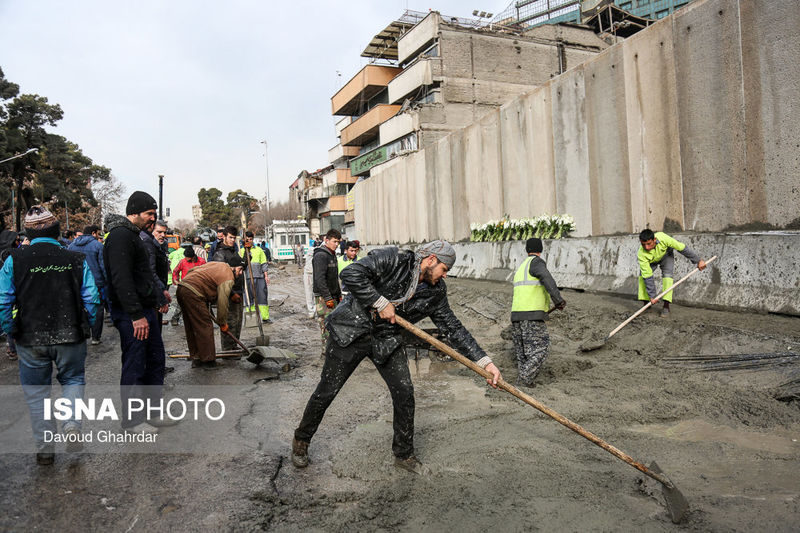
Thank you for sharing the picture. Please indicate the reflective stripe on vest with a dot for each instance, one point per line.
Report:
(529, 293)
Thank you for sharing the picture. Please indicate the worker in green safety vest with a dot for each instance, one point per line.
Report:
(656, 251)
(349, 257)
(256, 278)
(534, 288)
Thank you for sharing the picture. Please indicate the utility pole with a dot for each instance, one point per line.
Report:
(266, 162)
(161, 197)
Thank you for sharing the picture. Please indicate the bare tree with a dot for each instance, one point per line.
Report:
(183, 226)
(109, 195)
(278, 211)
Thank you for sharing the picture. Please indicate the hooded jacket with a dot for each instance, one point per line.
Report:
(387, 272)
(159, 264)
(93, 250)
(131, 286)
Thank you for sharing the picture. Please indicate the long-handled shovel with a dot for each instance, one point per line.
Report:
(589, 346)
(676, 503)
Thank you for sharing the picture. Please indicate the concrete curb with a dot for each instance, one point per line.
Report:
(755, 271)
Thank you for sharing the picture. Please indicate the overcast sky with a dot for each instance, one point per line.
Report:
(188, 89)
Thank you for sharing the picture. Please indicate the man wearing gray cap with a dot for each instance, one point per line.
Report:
(388, 281)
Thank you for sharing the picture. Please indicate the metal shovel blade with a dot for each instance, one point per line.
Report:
(676, 503)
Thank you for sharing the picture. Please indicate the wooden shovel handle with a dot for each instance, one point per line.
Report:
(646, 307)
(530, 400)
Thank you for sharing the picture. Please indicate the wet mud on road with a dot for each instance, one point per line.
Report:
(721, 436)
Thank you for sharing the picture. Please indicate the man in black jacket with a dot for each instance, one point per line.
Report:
(134, 300)
(226, 250)
(386, 282)
(154, 237)
(327, 292)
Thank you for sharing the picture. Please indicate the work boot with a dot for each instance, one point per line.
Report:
(45, 458)
(299, 453)
(412, 464)
(664, 313)
(74, 443)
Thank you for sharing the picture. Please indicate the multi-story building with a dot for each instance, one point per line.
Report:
(526, 13)
(441, 73)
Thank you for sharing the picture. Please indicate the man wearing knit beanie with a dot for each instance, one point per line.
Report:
(386, 283)
(133, 295)
(534, 287)
(56, 299)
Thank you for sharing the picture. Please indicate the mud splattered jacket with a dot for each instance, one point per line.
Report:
(388, 272)
(54, 292)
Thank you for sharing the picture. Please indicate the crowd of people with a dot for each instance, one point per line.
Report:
(53, 298)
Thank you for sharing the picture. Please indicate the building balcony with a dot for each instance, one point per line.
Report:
(334, 203)
(396, 127)
(420, 74)
(365, 129)
(369, 81)
(339, 151)
(418, 38)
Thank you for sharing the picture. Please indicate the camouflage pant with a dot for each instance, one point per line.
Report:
(322, 312)
(531, 347)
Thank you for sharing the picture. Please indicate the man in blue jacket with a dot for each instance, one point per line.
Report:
(90, 247)
(56, 298)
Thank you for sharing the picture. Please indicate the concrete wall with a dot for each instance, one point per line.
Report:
(743, 277)
(692, 124)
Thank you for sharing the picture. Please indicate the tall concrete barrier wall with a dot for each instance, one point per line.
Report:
(754, 271)
(693, 124)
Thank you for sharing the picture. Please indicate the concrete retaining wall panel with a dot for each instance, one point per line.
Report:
(418, 179)
(772, 108)
(744, 276)
(653, 144)
(571, 153)
(443, 210)
(539, 110)
(711, 115)
(607, 137)
(458, 156)
(515, 158)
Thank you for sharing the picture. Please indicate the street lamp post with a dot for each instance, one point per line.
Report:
(266, 163)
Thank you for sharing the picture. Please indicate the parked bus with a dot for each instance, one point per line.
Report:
(284, 235)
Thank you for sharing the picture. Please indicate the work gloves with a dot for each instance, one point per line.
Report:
(236, 298)
(224, 328)
(561, 305)
(330, 303)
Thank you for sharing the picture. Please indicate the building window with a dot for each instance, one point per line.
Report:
(283, 240)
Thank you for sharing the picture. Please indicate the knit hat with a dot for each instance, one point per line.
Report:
(139, 202)
(443, 251)
(39, 222)
(534, 246)
(189, 253)
(236, 261)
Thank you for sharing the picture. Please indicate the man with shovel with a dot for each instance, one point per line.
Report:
(255, 277)
(386, 282)
(209, 283)
(657, 250)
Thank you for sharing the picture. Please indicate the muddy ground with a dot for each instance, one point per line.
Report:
(723, 439)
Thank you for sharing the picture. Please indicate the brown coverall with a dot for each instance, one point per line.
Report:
(201, 286)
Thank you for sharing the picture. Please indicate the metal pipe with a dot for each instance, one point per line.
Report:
(161, 197)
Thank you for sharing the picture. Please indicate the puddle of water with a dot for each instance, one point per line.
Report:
(697, 430)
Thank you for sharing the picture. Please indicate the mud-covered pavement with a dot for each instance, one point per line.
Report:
(730, 447)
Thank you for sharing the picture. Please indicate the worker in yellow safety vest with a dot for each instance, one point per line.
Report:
(656, 250)
(534, 288)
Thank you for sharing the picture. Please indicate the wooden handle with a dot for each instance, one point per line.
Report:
(646, 307)
(530, 400)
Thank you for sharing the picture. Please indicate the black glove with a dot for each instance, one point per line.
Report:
(561, 305)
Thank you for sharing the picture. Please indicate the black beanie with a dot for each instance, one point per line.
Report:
(236, 261)
(139, 202)
(188, 253)
(534, 246)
